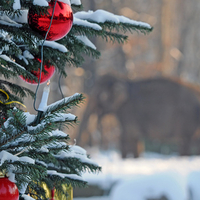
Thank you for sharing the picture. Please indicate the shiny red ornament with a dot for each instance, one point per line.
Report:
(44, 76)
(61, 24)
(8, 190)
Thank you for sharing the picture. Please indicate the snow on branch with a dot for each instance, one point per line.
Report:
(6, 156)
(6, 58)
(55, 45)
(16, 4)
(86, 41)
(40, 3)
(30, 118)
(102, 16)
(69, 176)
(84, 23)
(58, 133)
(61, 117)
(5, 20)
(65, 1)
(22, 17)
(76, 152)
(63, 102)
(76, 2)
(55, 145)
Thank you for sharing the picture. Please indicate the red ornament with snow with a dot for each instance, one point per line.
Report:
(45, 76)
(8, 190)
(61, 24)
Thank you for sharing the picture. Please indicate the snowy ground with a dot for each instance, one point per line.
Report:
(150, 176)
(94, 198)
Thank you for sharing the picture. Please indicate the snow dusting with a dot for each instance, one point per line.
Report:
(86, 41)
(40, 3)
(6, 58)
(59, 133)
(85, 23)
(5, 20)
(22, 18)
(102, 16)
(76, 2)
(23, 138)
(11, 175)
(27, 159)
(23, 188)
(16, 4)
(56, 45)
(27, 54)
(29, 117)
(63, 117)
(4, 155)
(24, 59)
(30, 128)
(55, 145)
(65, 1)
(76, 152)
(78, 149)
(70, 176)
(45, 3)
(99, 16)
(43, 149)
(41, 162)
(66, 100)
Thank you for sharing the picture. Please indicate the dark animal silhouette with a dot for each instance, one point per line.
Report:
(159, 108)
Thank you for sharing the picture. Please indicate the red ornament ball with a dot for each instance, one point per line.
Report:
(44, 76)
(8, 190)
(61, 24)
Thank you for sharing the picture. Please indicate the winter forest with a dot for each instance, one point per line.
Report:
(99, 100)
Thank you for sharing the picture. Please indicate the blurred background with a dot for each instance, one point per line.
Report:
(141, 117)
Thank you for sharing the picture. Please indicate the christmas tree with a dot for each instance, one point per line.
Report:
(34, 149)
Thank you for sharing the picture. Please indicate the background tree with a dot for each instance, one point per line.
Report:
(34, 149)
(171, 50)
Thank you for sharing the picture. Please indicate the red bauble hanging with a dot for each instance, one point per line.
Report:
(61, 24)
(8, 190)
(44, 76)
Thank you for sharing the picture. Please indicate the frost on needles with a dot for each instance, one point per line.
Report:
(31, 151)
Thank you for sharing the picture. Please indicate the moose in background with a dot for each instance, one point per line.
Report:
(157, 109)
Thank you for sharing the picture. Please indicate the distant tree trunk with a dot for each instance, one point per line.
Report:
(189, 25)
(167, 36)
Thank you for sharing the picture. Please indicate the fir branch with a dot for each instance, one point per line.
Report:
(67, 180)
(23, 34)
(11, 138)
(126, 27)
(81, 30)
(10, 69)
(16, 127)
(76, 165)
(17, 90)
(64, 104)
(9, 47)
(76, 8)
(77, 48)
